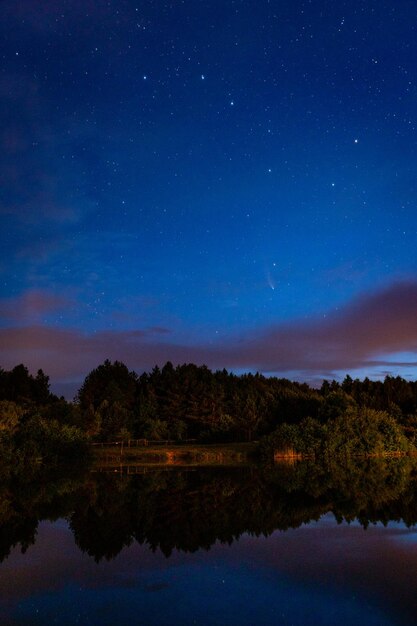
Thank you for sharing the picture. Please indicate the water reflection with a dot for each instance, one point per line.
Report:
(320, 571)
(187, 509)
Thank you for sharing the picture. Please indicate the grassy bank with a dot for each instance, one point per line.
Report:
(188, 454)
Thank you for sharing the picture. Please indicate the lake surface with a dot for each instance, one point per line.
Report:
(289, 545)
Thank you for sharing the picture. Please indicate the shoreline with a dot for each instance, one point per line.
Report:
(175, 455)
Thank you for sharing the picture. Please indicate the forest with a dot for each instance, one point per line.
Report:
(190, 402)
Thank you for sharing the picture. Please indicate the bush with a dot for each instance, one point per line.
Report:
(48, 440)
(357, 432)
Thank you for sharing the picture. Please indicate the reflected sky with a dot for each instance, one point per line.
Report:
(319, 574)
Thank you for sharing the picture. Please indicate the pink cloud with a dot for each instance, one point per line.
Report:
(367, 329)
(32, 305)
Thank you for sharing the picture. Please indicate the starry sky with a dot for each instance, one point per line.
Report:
(228, 182)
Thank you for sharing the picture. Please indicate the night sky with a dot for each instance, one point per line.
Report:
(228, 182)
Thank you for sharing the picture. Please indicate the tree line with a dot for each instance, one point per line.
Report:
(193, 402)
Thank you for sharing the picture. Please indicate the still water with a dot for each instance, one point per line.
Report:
(288, 545)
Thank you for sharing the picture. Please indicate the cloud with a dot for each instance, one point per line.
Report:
(362, 333)
(32, 305)
(30, 174)
(373, 324)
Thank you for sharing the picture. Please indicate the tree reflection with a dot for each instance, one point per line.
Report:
(187, 509)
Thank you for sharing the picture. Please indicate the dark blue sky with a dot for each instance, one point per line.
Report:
(228, 182)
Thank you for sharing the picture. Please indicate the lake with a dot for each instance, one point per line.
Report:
(293, 544)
